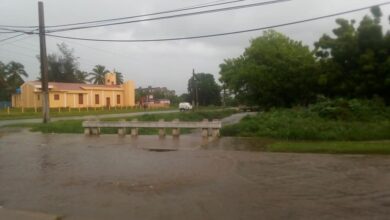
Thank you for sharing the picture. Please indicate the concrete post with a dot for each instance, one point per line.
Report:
(134, 131)
(215, 131)
(87, 131)
(161, 131)
(95, 131)
(205, 132)
(122, 131)
(176, 131)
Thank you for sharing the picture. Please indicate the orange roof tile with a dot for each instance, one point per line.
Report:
(73, 86)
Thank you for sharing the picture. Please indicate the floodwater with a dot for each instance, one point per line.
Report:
(109, 177)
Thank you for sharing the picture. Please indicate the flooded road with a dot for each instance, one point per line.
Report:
(108, 177)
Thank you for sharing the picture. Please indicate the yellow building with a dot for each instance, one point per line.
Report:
(77, 95)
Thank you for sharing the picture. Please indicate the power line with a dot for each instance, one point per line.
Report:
(150, 14)
(226, 33)
(173, 16)
(209, 4)
(8, 38)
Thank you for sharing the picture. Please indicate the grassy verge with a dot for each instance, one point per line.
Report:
(63, 112)
(333, 147)
(302, 124)
(74, 126)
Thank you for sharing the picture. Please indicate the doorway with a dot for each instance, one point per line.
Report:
(108, 104)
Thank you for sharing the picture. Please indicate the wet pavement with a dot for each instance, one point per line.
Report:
(108, 177)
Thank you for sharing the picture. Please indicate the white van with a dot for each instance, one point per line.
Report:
(185, 106)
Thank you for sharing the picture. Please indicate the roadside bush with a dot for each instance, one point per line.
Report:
(305, 124)
(354, 109)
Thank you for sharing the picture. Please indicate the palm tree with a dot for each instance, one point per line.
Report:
(81, 76)
(14, 72)
(98, 74)
(119, 78)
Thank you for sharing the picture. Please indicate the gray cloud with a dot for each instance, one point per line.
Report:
(164, 63)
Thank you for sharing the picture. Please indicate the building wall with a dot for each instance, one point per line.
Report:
(30, 97)
(129, 93)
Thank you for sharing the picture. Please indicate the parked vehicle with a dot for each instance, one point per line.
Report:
(185, 106)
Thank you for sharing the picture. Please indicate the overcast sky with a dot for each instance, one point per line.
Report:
(167, 64)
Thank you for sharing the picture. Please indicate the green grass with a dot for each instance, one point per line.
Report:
(75, 126)
(301, 124)
(338, 147)
(16, 113)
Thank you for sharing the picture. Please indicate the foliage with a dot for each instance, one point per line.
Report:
(63, 67)
(81, 76)
(273, 71)
(98, 73)
(10, 79)
(352, 110)
(16, 113)
(356, 62)
(304, 124)
(119, 78)
(207, 89)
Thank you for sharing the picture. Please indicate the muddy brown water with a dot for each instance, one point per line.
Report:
(108, 177)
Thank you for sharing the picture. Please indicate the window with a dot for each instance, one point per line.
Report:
(118, 99)
(56, 97)
(38, 97)
(81, 101)
(97, 99)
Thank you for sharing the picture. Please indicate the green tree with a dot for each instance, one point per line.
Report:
(98, 73)
(273, 71)
(10, 79)
(355, 62)
(119, 78)
(3, 82)
(63, 67)
(81, 76)
(206, 87)
(15, 71)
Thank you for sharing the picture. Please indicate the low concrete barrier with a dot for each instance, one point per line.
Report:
(92, 127)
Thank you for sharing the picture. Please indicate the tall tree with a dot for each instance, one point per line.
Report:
(206, 87)
(273, 71)
(81, 76)
(355, 63)
(15, 71)
(119, 78)
(63, 66)
(11, 78)
(3, 82)
(98, 73)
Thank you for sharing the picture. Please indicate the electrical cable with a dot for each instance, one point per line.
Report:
(209, 4)
(172, 16)
(225, 33)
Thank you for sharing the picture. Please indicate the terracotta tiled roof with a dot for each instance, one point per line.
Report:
(73, 86)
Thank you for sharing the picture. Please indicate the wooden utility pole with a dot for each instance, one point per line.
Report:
(195, 85)
(193, 89)
(44, 68)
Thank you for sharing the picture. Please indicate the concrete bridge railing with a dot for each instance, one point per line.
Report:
(92, 127)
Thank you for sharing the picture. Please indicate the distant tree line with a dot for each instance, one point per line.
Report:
(275, 71)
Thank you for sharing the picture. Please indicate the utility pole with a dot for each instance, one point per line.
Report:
(44, 68)
(196, 89)
(193, 89)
